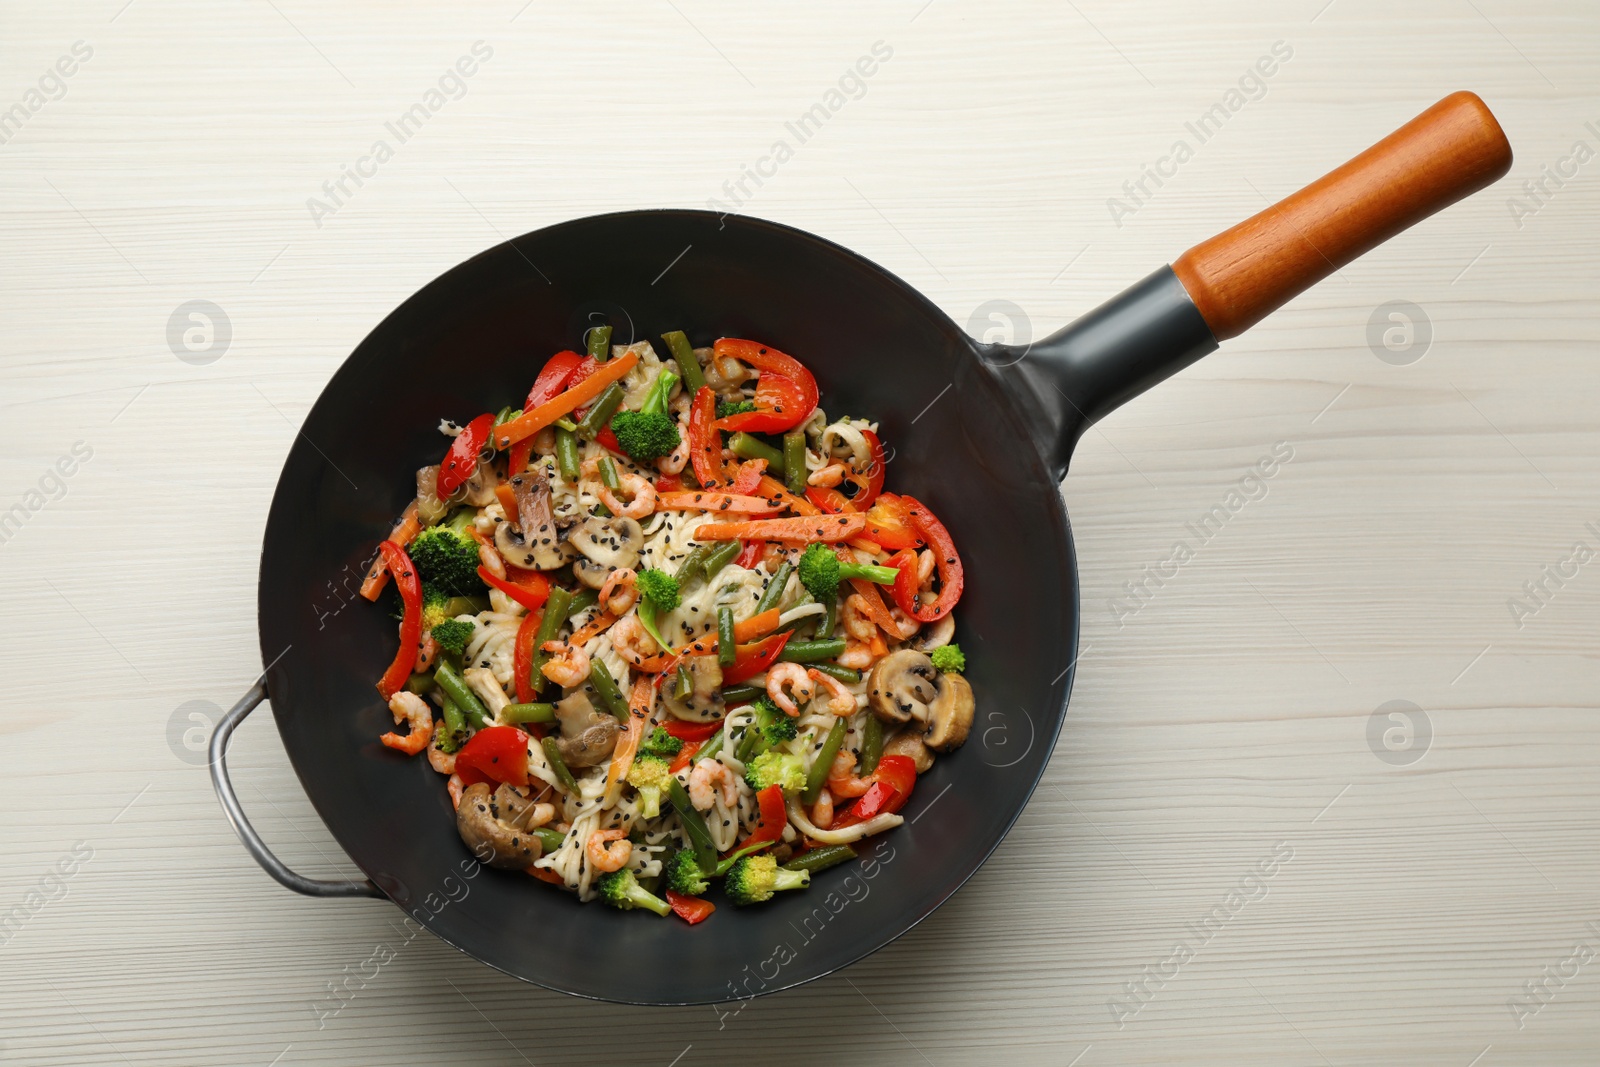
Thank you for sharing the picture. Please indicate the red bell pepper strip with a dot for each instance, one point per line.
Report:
(801, 530)
(747, 554)
(404, 530)
(796, 409)
(746, 477)
(522, 661)
(776, 397)
(498, 753)
(552, 379)
(705, 443)
(685, 754)
(531, 422)
(691, 731)
(946, 559)
(410, 586)
(774, 817)
(891, 787)
(531, 592)
(668, 483)
(830, 501)
(750, 660)
(870, 484)
(703, 500)
(690, 909)
(462, 459)
(889, 523)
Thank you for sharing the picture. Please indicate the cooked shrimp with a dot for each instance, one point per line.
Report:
(709, 779)
(618, 600)
(841, 701)
(792, 676)
(489, 556)
(426, 652)
(609, 850)
(632, 641)
(409, 708)
(822, 810)
(544, 442)
(857, 655)
(674, 462)
(842, 780)
(641, 495)
(828, 476)
(567, 666)
(440, 760)
(904, 624)
(925, 562)
(456, 787)
(854, 619)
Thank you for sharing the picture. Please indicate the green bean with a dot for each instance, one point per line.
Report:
(555, 614)
(741, 694)
(600, 678)
(455, 687)
(520, 713)
(505, 414)
(455, 725)
(688, 362)
(871, 746)
(817, 776)
(683, 685)
(552, 753)
(695, 560)
(794, 460)
(608, 476)
(605, 405)
(820, 859)
(829, 620)
(747, 447)
(812, 651)
(465, 605)
(582, 600)
(419, 683)
(567, 456)
(549, 839)
(833, 670)
(727, 651)
(711, 747)
(720, 557)
(564, 423)
(774, 591)
(694, 827)
(599, 343)
(602, 511)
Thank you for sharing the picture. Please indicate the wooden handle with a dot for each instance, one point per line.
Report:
(1241, 275)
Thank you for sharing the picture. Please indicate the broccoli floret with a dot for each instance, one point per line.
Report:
(776, 768)
(646, 436)
(684, 875)
(622, 890)
(949, 658)
(755, 878)
(772, 726)
(660, 743)
(658, 589)
(649, 776)
(821, 571)
(725, 408)
(655, 401)
(452, 635)
(447, 559)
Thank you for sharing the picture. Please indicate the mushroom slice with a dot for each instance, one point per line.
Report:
(531, 541)
(936, 636)
(704, 702)
(430, 509)
(479, 488)
(487, 822)
(588, 737)
(950, 715)
(902, 686)
(605, 545)
(909, 743)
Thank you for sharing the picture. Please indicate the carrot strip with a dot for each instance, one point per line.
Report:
(531, 422)
(640, 703)
(877, 610)
(404, 532)
(593, 629)
(804, 530)
(743, 633)
(773, 489)
(732, 503)
(508, 500)
(871, 548)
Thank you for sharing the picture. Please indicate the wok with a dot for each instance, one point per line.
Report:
(982, 433)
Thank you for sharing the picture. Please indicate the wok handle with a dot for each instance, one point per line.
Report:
(1450, 151)
(311, 887)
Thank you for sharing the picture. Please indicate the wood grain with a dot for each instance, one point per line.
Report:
(1229, 714)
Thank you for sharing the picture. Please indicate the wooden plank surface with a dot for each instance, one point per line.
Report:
(1218, 732)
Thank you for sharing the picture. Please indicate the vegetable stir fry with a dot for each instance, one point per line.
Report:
(664, 629)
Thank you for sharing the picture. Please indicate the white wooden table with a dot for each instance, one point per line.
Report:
(1421, 869)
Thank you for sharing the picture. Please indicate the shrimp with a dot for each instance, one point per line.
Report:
(854, 619)
(489, 556)
(567, 666)
(857, 655)
(828, 476)
(427, 651)
(904, 624)
(619, 601)
(800, 688)
(842, 780)
(925, 562)
(409, 708)
(609, 850)
(640, 493)
(709, 779)
(544, 442)
(822, 810)
(674, 462)
(456, 787)
(841, 701)
(632, 641)
(440, 760)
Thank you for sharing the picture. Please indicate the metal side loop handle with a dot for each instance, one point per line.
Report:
(311, 887)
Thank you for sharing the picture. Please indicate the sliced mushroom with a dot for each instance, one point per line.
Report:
(430, 509)
(491, 823)
(909, 743)
(529, 539)
(936, 636)
(588, 737)
(704, 702)
(902, 685)
(479, 488)
(949, 716)
(605, 545)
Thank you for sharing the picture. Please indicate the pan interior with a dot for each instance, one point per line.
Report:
(472, 341)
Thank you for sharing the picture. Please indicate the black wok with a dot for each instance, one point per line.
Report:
(981, 433)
